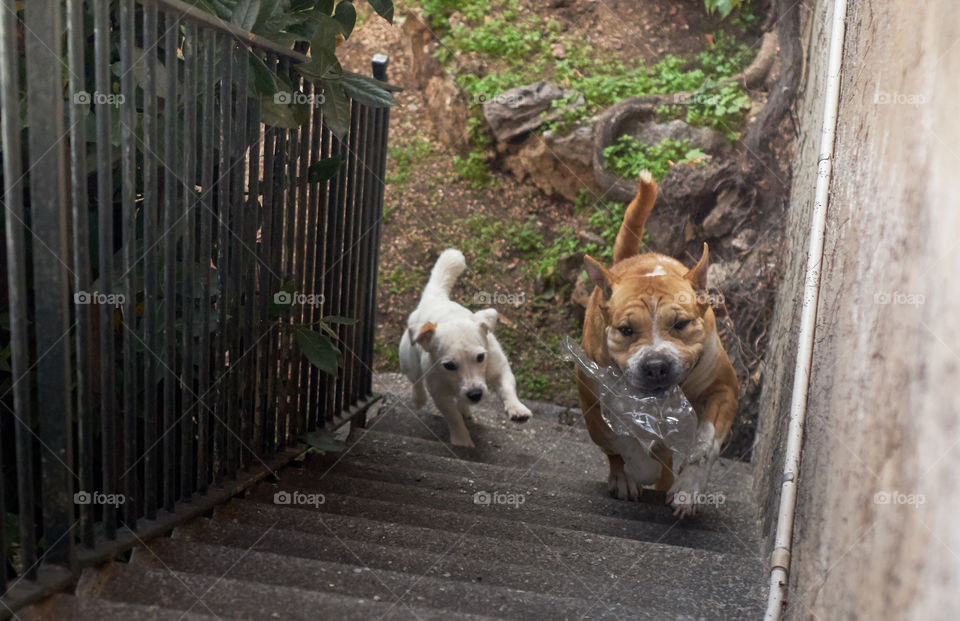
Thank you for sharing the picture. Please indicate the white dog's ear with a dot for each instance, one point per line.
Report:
(487, 318)
(425, 335)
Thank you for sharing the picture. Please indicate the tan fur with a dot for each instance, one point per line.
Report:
(628, 294)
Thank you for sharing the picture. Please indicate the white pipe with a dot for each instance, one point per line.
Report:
(780, 561)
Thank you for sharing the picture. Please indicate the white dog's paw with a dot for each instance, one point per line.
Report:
(462, 441)
(518, 412)
(419, 397)
(622, 487)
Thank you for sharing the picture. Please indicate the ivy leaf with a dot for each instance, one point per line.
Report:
(267, 9)
(346, 16)
(336, 108)
(322, 63)
(325, 6)
(277, 114)
(319, 350)
(323, 440)
(367, 91)
(263, 81)
(324, 170)
(245, 13)
(384, 9)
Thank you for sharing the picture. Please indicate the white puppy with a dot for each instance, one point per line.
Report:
(452, 353)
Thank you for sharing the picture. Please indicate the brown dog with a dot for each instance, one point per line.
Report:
(650, 316)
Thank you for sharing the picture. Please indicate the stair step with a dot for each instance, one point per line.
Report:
(62, 606)
(732, 516)
(584, 475)
(532, 545)
(730, 526)
(668, 586)
(229, 598)
(391, 587)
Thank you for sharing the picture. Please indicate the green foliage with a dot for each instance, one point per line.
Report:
(628, 157)
(723, 7)
(403, 157)
(473, 168)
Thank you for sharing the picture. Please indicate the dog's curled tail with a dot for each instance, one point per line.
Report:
(445, 272)
(634, 219)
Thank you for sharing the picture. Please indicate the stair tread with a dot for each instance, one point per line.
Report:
(553, 461)
(534, 545)
(667, 586)
(243, 599)
(392, 587)
(65, 606)
(725, 528)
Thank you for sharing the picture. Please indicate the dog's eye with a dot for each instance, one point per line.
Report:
(450, 366)
(480, 357)
(626, 330)
(681, 324)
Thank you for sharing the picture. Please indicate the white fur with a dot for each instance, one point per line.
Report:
(460, 335)
(657, 271)
(692, 477)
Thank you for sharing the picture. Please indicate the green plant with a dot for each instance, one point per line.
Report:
(473, 168)
(628, 157)
(403, 157)
(724, 7)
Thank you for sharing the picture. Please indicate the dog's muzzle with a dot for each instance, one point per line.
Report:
(654, 372)
(475, 395)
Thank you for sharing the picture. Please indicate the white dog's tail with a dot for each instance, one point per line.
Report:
(444, 274)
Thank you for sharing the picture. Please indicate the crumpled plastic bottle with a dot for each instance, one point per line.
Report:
(640, 421)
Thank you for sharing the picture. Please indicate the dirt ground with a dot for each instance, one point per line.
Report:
(429, 207)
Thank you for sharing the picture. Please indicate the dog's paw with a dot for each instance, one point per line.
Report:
(519, 413)
(622, 486)
(687, 490)
(465, 441)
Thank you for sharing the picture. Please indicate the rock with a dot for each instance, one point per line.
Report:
(589, 237)
(557, 165)
(582, 291)
(558, 50)
(721, 274)
(420, 44)
(569, 268)
(744, 240)
(709, 140)
(518, 111)
(449, 111)
(723, 216)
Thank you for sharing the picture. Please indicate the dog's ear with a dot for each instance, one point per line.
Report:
(425, 335)
(487, 318)
(698, 274)
(599, 275)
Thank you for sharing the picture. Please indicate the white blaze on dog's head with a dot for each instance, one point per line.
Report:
(656, 323)
(458, 352)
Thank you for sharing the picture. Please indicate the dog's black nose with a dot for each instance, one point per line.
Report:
(475, 395)
(655, 370)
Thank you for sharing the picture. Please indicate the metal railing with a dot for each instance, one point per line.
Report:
(155, 232)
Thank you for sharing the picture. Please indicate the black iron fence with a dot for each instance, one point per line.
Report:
(169, 258)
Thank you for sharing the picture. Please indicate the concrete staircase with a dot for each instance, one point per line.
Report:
(410, 527)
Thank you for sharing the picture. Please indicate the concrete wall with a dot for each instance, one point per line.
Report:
(878, 522)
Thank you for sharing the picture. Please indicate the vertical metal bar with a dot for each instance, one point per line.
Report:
(380, 63)
(48, 211)
(288, 349)
(251, 215)
(277, 353)
(241, 249)
(101, 31)
(15, 230)
(269, 286)
(348, 259)
(297, 398)
(129, 215)
(171, 205)
(335, 248)
(76, 41)
(189, 228)
(365, 299)
(223, 440)
(308, 374)
(322, 390)
(205, 252)
(150, 281)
